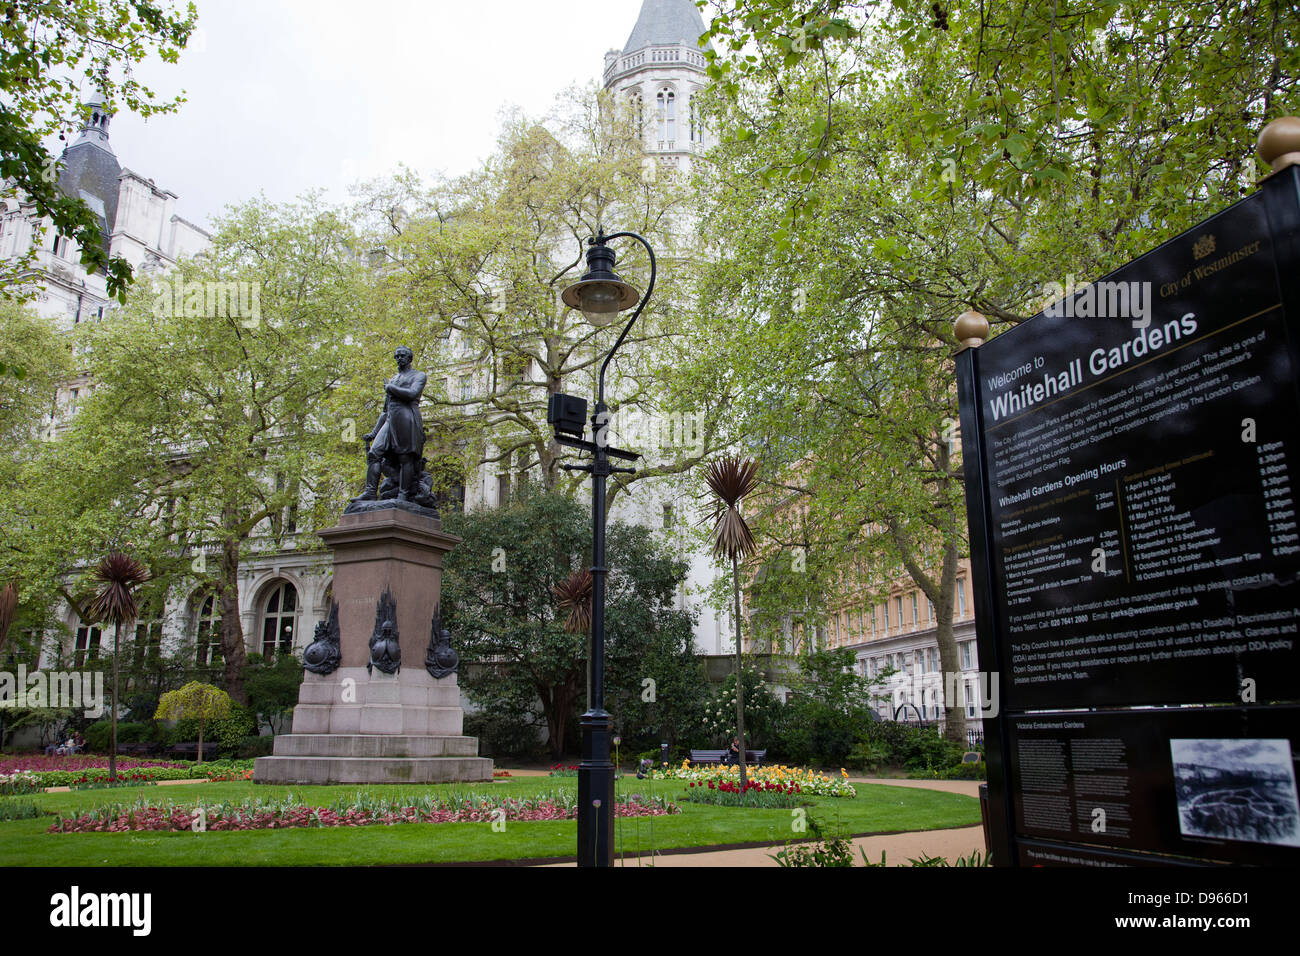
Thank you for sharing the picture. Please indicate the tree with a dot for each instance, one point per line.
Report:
(273, 687)
(731, 481)
(474, 267)
(45, 49)
(211, 423)
(879, 175)
(499, 601)
(120, 575)
(829, 704)
(195, 701)
(37, 359)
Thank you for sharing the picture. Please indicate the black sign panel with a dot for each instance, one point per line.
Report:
(1214, 783)
(1133, 493)
(1140, 448)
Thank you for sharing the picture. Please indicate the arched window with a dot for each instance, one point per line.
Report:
(666, 111)
(638, 114)
(279, 620)
(207, 636)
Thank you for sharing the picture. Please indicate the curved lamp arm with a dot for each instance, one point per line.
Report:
(600, 390)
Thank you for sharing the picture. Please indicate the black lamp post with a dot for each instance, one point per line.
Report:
(600, 294)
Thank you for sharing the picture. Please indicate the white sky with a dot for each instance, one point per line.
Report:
(288, 95)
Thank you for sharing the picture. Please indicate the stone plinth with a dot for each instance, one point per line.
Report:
(359, 726)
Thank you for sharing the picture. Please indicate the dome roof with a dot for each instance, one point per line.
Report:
(666, 23)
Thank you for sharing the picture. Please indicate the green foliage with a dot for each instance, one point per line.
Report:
(18, 810)
(916, 749)
(762, 710)
(273, 688)
(826, 711)
(97, 734)
(47, 50)
(504, 734)
(832, 849)
(518, 658)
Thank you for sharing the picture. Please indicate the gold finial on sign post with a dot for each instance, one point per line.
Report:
(971, 329)
(1279, 143)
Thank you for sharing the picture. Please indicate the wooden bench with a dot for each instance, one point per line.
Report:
(190, 751)
(753, 758)
(140, 750)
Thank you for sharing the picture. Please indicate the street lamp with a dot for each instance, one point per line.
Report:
(600, 294)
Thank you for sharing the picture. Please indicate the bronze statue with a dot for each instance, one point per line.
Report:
(395, 465)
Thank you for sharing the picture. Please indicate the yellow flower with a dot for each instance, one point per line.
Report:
(844, 773)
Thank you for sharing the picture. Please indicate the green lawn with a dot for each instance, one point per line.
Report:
(876, 809)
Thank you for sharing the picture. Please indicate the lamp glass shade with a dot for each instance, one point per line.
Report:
(600, 298)
(601, 302)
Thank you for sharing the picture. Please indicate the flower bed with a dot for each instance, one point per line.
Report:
(728, 794)
(362, 810)
(809, 782)
(75, 771)
(19, 782)
(563, 770)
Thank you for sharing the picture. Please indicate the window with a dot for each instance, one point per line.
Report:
(207, 637)
(899, 606)
(961, 597)
(148, 639)
(920, 662)
(966, 663)
(466, 388)
(916, 609)
(638, 114)
(972, 698)
(697, 128)
(930, 606)
(503, 489)
(668, 516)
(886, 606)
(87, 644)
(279, 620)
(666, 115)
(934, 660)
(873, 620)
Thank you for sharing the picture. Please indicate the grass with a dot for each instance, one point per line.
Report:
(876, 809)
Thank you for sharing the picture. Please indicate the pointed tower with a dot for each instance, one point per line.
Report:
(657, 74)
(90, 168)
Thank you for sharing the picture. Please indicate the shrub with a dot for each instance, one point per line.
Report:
(503, 735)
(869, 756)
(253, 746)
(99, 733)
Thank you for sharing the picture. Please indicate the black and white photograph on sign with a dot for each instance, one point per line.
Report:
(1237, 790)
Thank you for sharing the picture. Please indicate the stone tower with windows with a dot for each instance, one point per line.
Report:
(657, 74)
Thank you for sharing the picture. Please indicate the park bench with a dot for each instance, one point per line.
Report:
(752, 757)
(137, 750)
(190, 750)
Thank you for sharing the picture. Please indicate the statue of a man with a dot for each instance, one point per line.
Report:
(398, 437)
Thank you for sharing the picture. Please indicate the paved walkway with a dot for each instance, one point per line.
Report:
(898, 848)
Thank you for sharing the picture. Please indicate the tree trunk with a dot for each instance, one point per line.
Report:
(200, 738)
(112, 713)
(949, 663)
(232, 630)
(740, 681)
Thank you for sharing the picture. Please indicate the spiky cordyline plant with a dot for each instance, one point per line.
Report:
(731, 480)
(120, 575)
(574, 597)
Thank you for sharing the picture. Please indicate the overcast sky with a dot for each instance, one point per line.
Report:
(286, 95)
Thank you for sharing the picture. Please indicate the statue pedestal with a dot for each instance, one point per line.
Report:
(359, 726)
